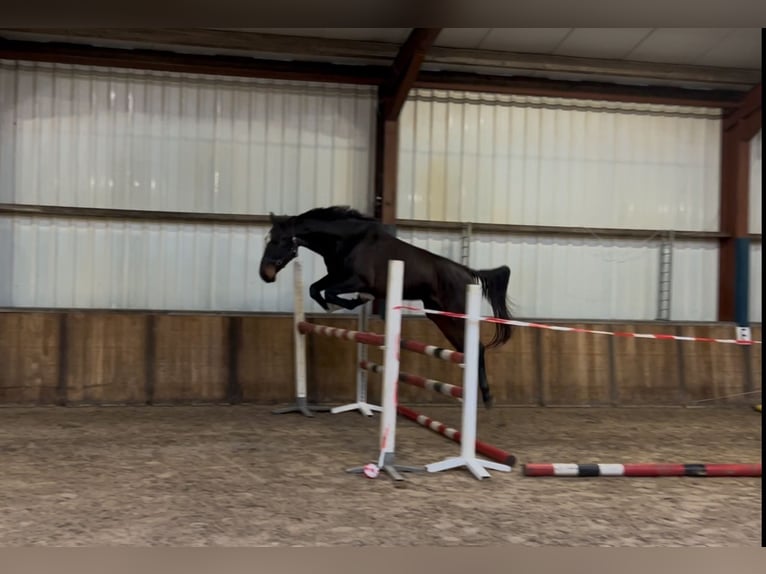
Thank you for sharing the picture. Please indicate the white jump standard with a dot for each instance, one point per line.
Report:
(467, 458)
(391, 375)
(361, 403)
(301, 404)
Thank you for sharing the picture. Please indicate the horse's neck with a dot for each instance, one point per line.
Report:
(326, 239)
(321, 242)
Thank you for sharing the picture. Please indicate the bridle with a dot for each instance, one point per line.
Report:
(296, 243)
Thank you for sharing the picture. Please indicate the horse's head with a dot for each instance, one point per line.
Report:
(281, 247)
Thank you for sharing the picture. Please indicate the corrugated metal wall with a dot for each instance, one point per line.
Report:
(78, 136)
(130, 265)
(573, 278)
(551, 161)
(545, 161)
(95, 137)
(91, 137)
(756, 268)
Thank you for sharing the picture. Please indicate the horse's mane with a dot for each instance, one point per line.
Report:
(333, 213)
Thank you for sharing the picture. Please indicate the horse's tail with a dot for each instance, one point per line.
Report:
(494, 287)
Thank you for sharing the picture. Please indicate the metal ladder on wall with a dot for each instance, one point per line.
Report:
(665, 283)
(465, 245)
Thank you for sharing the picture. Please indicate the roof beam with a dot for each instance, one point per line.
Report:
(220, 65)
(746, 118)
(245, 66)
(589, 90)
(498, 62)
(235, 42)
(404, 70)
(262, 45)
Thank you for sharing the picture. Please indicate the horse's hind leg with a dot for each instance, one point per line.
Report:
(454, 331)
(483, 382)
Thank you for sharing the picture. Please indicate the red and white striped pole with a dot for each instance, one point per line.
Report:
(641, 469)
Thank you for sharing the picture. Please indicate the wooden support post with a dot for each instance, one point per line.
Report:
(737, 129)
(392, 94)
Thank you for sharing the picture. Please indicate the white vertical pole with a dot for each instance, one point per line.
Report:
(361, 355)
(470, 372)
(299, 315)
(301, 403)
(467, 456)
(394, 294)
(391, 361)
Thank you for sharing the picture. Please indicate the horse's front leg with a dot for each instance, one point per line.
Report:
(316, 288)
(349, 285)
(349, 304)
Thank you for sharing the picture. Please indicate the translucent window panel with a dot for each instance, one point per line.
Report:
(588, 278)
(552, 161)
(131, 139)
(82, 263)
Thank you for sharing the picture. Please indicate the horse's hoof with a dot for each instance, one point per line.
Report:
(489, 402)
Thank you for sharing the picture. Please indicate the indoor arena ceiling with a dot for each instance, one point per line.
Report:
(686, 57)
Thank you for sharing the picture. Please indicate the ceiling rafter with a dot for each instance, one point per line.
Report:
(297, 48)
(404, 70)
(746, 117)
(166, 61)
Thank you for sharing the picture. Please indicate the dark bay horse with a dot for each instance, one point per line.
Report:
(356, 250)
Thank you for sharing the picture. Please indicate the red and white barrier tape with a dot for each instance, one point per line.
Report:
(661, 336)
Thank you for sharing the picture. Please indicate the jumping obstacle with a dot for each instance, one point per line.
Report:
(392, 343)
(416, 381)
(642, 469)
(454, 391)
(482, 448)
(467, 458)
(360, 404)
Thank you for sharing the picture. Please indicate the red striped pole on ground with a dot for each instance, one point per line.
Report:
(642, 469)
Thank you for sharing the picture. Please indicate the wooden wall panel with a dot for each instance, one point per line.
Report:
(117, 357)
(646, 370)
(713, 369)
(756, 356)
(575, 367)
(29, 358)
(266, 369)
(513, 369)
(191, 357)
(106, 358)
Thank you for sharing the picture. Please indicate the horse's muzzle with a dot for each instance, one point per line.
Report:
(269, 272)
